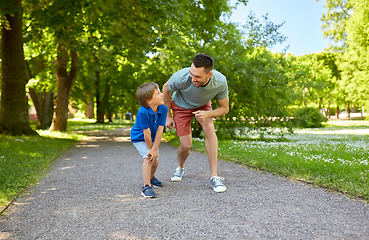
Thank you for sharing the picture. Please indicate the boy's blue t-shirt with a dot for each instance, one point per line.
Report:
(147, 118)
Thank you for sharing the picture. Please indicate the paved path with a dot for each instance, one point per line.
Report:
(93, 192)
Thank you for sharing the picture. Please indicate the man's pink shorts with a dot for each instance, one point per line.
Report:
(182, 117)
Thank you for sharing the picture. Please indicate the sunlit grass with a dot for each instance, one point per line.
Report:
(24, 160)
(90, 124)
(335, 156)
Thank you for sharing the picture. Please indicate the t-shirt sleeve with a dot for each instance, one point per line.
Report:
(143, 120)
(164, 111)
(177, 80)
(223, 93)
(174, 84)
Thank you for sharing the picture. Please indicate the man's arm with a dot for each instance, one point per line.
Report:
(168, 102)
(220, 111)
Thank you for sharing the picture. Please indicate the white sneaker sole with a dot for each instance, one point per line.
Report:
(219, 189)
(176, 179)
(143, 195)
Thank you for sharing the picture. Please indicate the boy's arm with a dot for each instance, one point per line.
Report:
(147, 137)
(154, 150)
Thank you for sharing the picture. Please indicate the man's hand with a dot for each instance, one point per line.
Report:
(201, 115)
(169, 123)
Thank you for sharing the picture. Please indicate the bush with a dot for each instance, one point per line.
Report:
(308, 118)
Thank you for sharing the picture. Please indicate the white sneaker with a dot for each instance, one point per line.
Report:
(216, 183)
(177, 175)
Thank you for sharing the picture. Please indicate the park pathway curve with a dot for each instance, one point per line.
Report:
(93, 192)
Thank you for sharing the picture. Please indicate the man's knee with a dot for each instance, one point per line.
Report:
(186, 142)
(208, 126)
(186, 146)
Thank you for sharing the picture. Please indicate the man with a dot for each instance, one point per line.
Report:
(193, 88)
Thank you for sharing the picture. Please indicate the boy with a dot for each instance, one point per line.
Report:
(147, 131)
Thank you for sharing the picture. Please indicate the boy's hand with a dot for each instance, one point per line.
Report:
(149, 156)
(152, 155)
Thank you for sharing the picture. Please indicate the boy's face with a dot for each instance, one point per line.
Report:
(157, 98)
(199, 76)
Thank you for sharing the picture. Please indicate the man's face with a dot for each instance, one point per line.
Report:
(199, 76)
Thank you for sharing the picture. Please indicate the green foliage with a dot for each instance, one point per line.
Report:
(308, 118)
(354, 62)
(346, 22)
(334, 21)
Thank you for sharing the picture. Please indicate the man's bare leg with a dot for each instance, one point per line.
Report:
(184, 149)
(211, 145)
(182, 154)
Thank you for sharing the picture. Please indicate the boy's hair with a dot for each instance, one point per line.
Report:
(145, 93)
(203, 60)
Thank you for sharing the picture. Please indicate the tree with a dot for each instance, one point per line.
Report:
(14, 118)
(346, 22)
(320, 81)
(65, 81)
(355, 62)
(40, 93)
(335, 21)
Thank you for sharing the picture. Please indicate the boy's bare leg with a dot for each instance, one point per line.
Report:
(154, 166)
(184, 149)
(146, 171)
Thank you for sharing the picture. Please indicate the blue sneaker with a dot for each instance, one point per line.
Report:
(177, 175)
(148, 192)
(218, 186)
(155, 182)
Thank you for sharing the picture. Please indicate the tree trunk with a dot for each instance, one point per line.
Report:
(47, 105)
(338, 112)
(99, 107)
(48, 110)
(65, 82)
(43, 101)
(89, 107)
(106, 104)
(348, 109)
(329, 109)
(14, 117)
(103, 106)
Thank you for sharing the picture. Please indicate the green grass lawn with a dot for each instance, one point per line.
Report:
(25, 159)
(336, 156)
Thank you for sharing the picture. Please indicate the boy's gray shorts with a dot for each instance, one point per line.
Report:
(142, 149)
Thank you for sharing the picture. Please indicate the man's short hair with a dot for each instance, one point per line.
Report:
(203, 60)
(145, 93)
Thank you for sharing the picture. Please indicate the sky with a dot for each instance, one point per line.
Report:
(302, 25)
